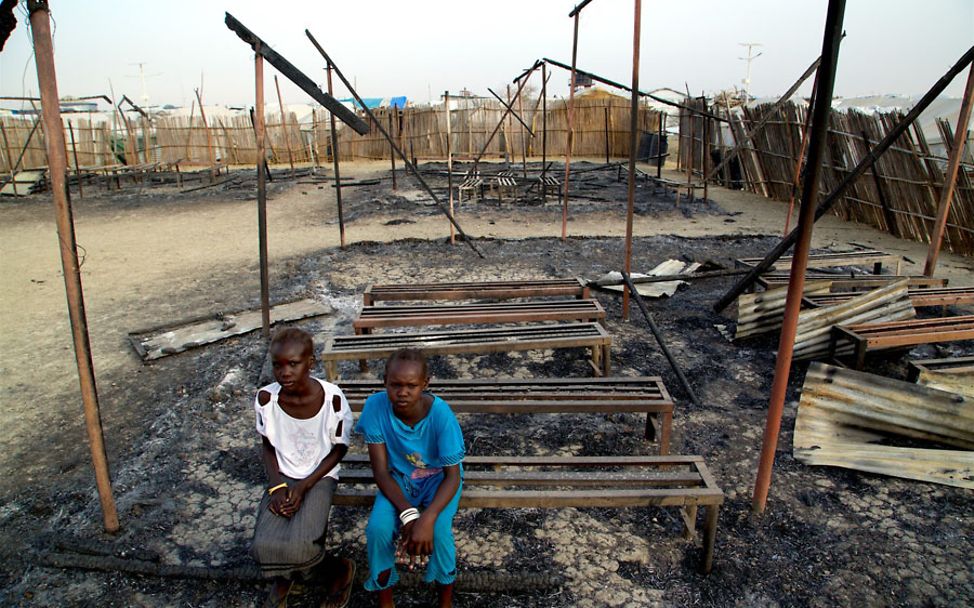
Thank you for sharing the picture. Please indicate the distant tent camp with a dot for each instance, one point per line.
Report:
(378, 102)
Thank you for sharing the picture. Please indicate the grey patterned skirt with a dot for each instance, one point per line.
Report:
(290, 547)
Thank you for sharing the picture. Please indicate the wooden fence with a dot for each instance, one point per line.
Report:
(601, 125)
(899, 195)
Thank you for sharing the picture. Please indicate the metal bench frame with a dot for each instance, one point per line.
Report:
(548, 396)
(479, 341)
(867, 337)
(475, 290)
(492, 482)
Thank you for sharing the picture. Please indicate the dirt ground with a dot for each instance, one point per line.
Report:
(183, 455)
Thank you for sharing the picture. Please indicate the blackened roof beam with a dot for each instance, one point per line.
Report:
(296, 76)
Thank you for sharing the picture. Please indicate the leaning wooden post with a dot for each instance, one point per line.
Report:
(950, 179)
(265, 306)
(633, 143)
(40, 21)
(392, 152)
(524, 148)
(822, 106)
(10, 158)
(334, 158)
(287, 134)
(209, 136)
(544, 131)
(77, 168)
(797, 176)
(605, 113)
(449, 161)
(568, 144)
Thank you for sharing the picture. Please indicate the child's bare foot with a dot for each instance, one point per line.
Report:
(446, 595)
(277, 593)
(385, 599)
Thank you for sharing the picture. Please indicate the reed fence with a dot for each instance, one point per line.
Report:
(899, 195)
(601, 127)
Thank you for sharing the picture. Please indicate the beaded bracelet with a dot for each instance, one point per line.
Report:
(276, 488)
(408, 515)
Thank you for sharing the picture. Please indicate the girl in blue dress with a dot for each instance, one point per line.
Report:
(416, 450)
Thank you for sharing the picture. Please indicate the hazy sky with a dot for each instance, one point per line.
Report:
(422, 47)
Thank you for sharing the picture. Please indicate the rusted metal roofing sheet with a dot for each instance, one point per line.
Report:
(763, 312)
(889, 303)
(844, 413)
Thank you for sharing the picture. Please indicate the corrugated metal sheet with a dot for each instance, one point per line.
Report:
(843, 413)
(763, 312)
(960, 382)
(889, 303)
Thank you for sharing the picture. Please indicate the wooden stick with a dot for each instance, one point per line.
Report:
(287, 134)
(209, 136)
(265, 307)
(77, 168)
(334, 158)
(10, 158)
(568, 144)
(950, 180)
(449, 160)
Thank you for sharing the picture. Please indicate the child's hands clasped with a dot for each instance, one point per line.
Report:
(415, 543)
(286, 502)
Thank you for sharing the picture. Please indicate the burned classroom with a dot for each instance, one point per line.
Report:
(707, 345)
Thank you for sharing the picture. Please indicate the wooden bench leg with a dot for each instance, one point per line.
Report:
(666, 426)
(689, 514)
(363, 364)
(709, 536)
(596, 359)
(860, 358)
(606, 361)
(652, 421)
(331, 370)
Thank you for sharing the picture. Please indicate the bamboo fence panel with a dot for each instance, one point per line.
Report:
(898, 195)
(17, 131)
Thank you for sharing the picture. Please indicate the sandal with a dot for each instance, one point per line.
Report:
(340, 598)
(273, 600)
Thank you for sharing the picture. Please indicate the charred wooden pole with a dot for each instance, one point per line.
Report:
(633, 144)
(888, 214)
(287, 134)
(334, 158)
(259, 132)
(822, 106)
(764, 121)
(40, 24)
(605, 113)
(409, 166)
(659, 336)
(510, 110)
(524, 147)
(661, 119)
(570, 135)
(544, 131)
(887, 142)
(449, 159)
(950, 179)
(705, 150)
(77, 167)
(392, 151)
(623, 87)
(500, 123)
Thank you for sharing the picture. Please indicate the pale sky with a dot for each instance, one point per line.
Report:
(422, 47)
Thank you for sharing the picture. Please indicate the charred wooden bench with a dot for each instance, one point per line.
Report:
(476, 290)
(644, 394)
(504, 182)
(830, 260)
(480, 341)
(553, 482)
(373, 317)
(921, 298)
(472, 182)
(847, 283)
(547, 184)
(868, 337)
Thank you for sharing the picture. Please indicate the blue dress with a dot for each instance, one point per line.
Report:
(416, 457)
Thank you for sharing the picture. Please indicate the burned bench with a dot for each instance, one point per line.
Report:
(921, 298)
(876, 259)
(373, 317)
(554, 482)
(480, 341)
(476, 290)
(643, 394)
(869, 337)
(856, 283)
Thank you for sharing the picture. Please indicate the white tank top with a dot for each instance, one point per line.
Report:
(301, 445)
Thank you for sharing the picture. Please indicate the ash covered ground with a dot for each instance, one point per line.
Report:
(187, 474)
